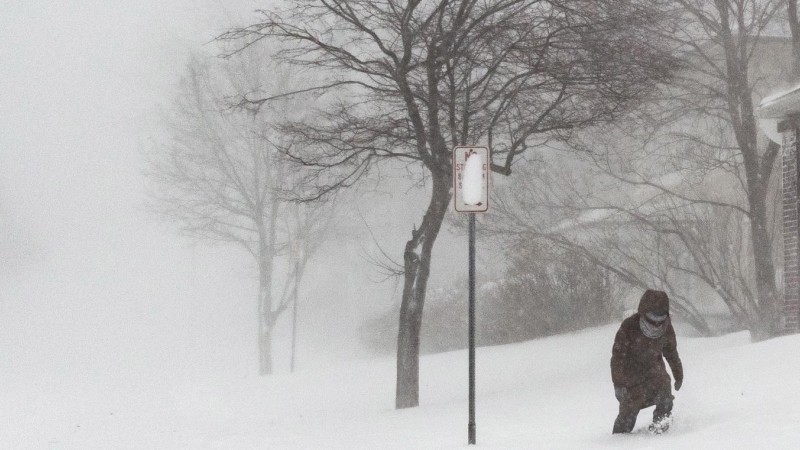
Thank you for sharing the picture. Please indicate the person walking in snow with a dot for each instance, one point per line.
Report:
(637, 365)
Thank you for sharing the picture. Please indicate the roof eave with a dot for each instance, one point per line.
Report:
(783, 106)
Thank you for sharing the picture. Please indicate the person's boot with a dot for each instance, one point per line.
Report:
(660, 424)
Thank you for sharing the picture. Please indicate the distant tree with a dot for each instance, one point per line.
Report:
(720, 41)
(641, 236)
(696, 149)
(545, 290)
(411, 80)
(220, 178)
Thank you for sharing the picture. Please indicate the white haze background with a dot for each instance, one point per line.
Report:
(94, 291)
(116, 333)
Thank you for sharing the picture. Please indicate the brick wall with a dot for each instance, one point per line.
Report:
(791, 248)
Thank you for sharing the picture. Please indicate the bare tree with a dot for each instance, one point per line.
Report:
(697, 150)
(646, 237)
(410, 80)
(220, 178)
(794, 27)
(721, 41)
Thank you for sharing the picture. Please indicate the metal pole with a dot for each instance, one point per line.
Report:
(471, 427)
(294, 314)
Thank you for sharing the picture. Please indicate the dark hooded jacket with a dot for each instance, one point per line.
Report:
(636, 360)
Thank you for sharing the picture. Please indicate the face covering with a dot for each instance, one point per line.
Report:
(650, 330)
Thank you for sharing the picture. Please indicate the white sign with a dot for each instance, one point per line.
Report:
(471, 179)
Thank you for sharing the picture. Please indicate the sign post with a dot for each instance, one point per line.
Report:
(471, 188)
(471, 425)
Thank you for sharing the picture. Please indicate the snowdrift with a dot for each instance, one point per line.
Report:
(553, 393)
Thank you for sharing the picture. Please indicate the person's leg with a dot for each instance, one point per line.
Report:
(624, 422)
(663, 400)
(629, 408)
(662, 416)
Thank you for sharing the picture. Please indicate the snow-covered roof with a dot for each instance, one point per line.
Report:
(636, 196)
(780, 104)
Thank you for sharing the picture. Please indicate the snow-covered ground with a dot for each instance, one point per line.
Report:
(552, 393)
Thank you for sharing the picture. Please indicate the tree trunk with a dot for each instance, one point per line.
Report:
(758, 171)
(768, 314)
(264, 322)
(266, 319)
(417, 263)
(794, 26)
(264, 349)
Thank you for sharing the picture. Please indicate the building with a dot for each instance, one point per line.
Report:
(780, 115)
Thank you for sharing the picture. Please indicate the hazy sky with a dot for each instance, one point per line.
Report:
(90, 284)
(95, 284)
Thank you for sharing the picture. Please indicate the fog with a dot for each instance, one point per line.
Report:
(94, 288)
(117, 331)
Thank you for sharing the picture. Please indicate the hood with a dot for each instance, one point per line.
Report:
(654, 301)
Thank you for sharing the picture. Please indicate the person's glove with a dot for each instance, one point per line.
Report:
(619, 392)
(678, 384)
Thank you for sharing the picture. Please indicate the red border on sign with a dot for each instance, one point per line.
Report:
(488, 171)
